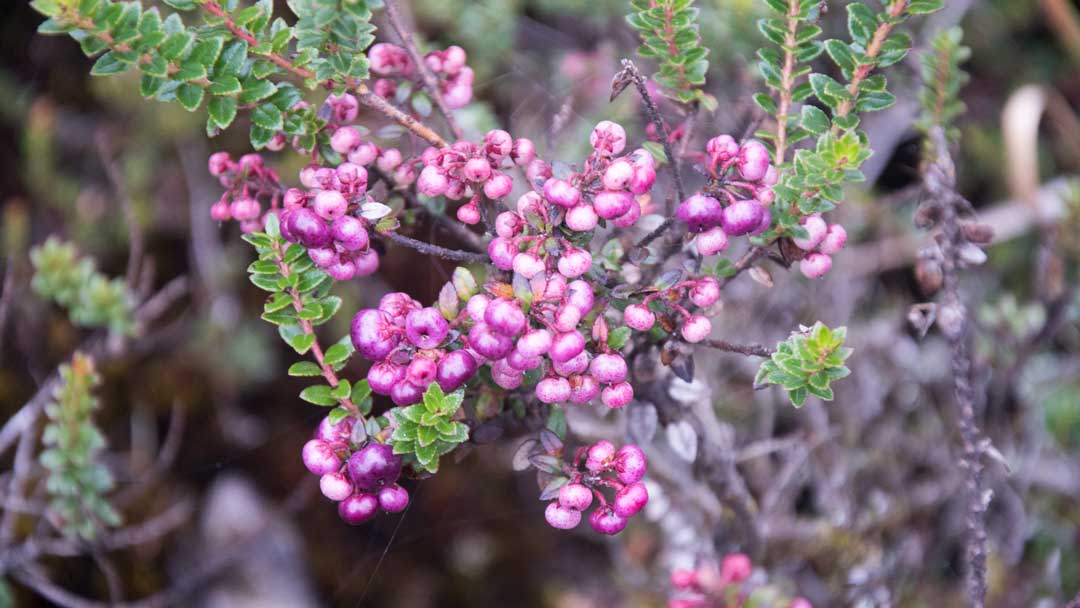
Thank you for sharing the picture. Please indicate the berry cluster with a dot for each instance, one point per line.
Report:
(245, 180)
(622, 470)
(465, 170)
(393, 64)
(823, 241)
(743, 177)
(702, 292)
(717, 586)
(347, 141)
(361, 479)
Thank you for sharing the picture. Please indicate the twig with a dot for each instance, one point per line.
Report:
(750, 350)
(136, 239)
(429, 249)
(631, 71)
(431, 83)
(7, 296)
(470, 238)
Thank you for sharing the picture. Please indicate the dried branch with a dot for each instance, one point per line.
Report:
(631, 72)
(455, 255)
(750, 350)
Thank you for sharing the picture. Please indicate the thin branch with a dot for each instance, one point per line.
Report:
(470, 238)
(787, 81)
(750, 350)
(631, 71)
(431, 83)
(136, 239)
(429, 249)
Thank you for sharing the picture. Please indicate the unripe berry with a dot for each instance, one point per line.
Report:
(695, 329)
(535, 342)
(753, 161)
(469, 213)
(350, 232)
(712, 241)
(630, 499)
(566, 346)
(502, 253)
(600, 455)
(498, 186)
(834, 240)
(575, 263)
(384, 375)
(420, 372)
(575, 496)
(505, 375)
(498, 143)
(393, 499)
(581, 218)
(741, 217)
(505, 316)
(335, 486)
(373, 466)
(454, 370)
(560, 192)
(344, 140)
(618, 174)
(489, 343)
(643, 179)
(610, 204)
(721, 149)
(627, 219)
(372, 334)
(426, 328)
(700, 212)
(523, 152)
(477, 170)
(815, 265)
(735, 568)
(342, 269)
(220, 211)
(432, 181)
(366, 262)
(816, 229)
(639, 317)
(580, 296)
(608, 138)
(608, 368)
(617, 395)
(365, 153)
(319, 457)
(606, 521)
(245, 209)
(630, 463)
(309, 228)
(583, 388)
(560, 517)
(358, 508)
(553, 390)
(575, 365)
(705, 292)
(527, 265)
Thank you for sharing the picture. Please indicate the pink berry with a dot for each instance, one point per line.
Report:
(721, 149)
(605, 521)
(764, 223)
(335, 486)
(454, 58)
(630, 499)
(469, 213)
(580, 296)
(220, 210)
(350, 232)
(477, 170)
(683, 579)
(420, 371)
(319, 457)
(599, 456)
(583, 389)
(712, 241)
(373, 335)
(342, 269)
(502, 253)
(219, 163)
(610, 204)
(535, 342)
(627, 219)
(505, 316)
(366, 262)
(617, 395)
(426, 328)
(365, 153)
(454, 370)
(352, 175)
(575, 496)
(523, 152)
(393, 499)
(575, 263)
(560, 192)
(695, 329)
(245, 209)
(753, 161)
(581, 218)
(505, 375)
(741, 217)
(639, 317)
(560, 517)
(527, 265)
(477, 306)
(498, 186)
(489, 343)
(575, 365)
(508, 224)
(345, 107)
(700, 212)
(358, 508)
(344, 140)
(815, 265)
(334, 433)
(618, 174)
(800, 603)
(630, 463)
(643, 179)
(566, 346)
(432, 181)
(537, 172)
(384, 375)
(735, 568)
(388, 160)
(330, 205)
(406, 393)
(608, 368)
(608, 138)
(705, 292)
(834, 240)
(816, 228)
(522, 362)
(553, 390)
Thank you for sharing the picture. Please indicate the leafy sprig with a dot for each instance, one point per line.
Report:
(77, 482)
(807, 363)
(426, 431)
(91, 298)
(669, 35)
(942, 79)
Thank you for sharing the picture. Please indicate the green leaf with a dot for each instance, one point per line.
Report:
(336, 354)
(257, 90)
(206, 51)
(618, 337)
(222, 111)
(342, 390)
(319, 395)
(267, 117)
(225, 85)
(301, 343)
(813, 120)
(190, 96)
(797, 396)
(176, 45)
(338, 414)
(107, 65)
(657, 150)
(426, 435)
(360, 391)
(305, 368)
(873, 101)
(428, 456)
(924, 7)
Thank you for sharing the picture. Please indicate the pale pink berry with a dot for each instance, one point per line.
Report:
(535, 342)
(630, 499)
(630, 463)
(319, 457)
(220, 210)
(705, 292)
(548, 286)
(639, 317)
(566, 346)
(561, 193)
(735, 568)
(528, 265)
(308, 177)
(335, 486)
(324, 257)
(522, 362)
(469, 213)
(364, 154)
(574, 365)
(712, 241)
(560, 517)
(345, 107)
(523, 152)
(432, 181)
(834, 240)
(508, 224)
(583, 388)
(575, 496)
(800, 602)
(608, 368)
(454, 58)
(477, 306)
(627, 219)
(477, 170)
(505, 375)
(765, 196)
(815, 265)
(505, 316)
(721, 149)
(618, 174)
(642, 158)
(816, 229)
(405, 175)
(772, 176)
(580, 296)
(530, 203)
(344, 140)
(753, 162)
(610, 204)
(600, 456)
(764, 223)
(498, 186)
(498, 143)
(219, 163)
(387, 59)
(608, 138)
(388, 160)
(330, 205)
(366, 263)
(695, 329)
(353, 175)
(575, 263)
(342, 269)
(581, 218)
(605, 521)
(617, 395)
(293, 198)
(553, 390)
(643, 179)
(455, 191)
(502, 253)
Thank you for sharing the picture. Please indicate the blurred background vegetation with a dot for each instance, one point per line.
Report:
(475, 535)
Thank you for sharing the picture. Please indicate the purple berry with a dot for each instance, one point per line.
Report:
(600, 456)
(765, 223)
(575, 365)
(575, 496)
(505, 316)
(309, 228)
(630, 499)
(341, 270)
(815, 265)
(319, 457)
(560, 517)
(384, 375)
(374, 466)
(605, 521)
(324, 257)
(617, 395)
(741, 217)
(489, 343)
(560, 192)
(330, 205)
(334, 433)
(406, 393)
(608, 368)
(366, 262)
(522, 362)
(505, 375)
(373, 334)
(421, 371)
(566, 346)
(426, 328)
(639, 317)
(583, 389)
(335, 486)
(393, 499)
(502, 253)
(753, 162)
(350, 232)
(454, 370)
(610, 204)
(630, 463)
(700, 212)
(358, 508)
(553, 390)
